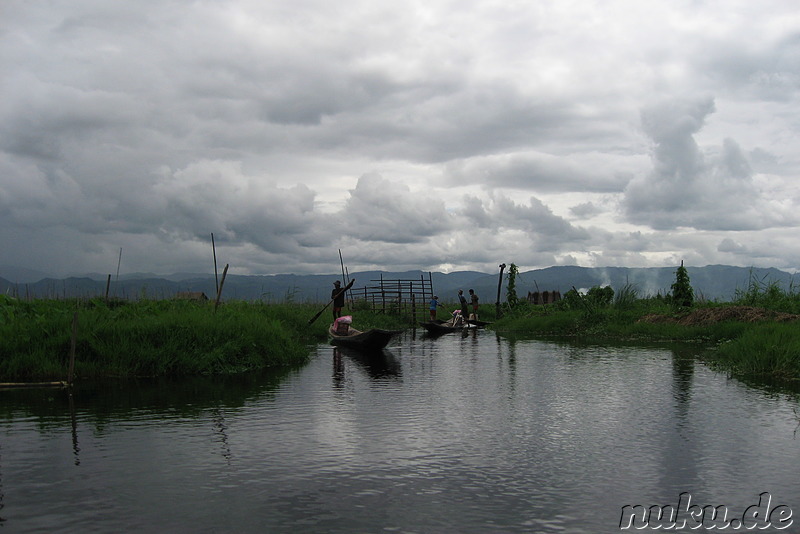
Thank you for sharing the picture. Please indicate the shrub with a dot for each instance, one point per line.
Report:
(600, 296)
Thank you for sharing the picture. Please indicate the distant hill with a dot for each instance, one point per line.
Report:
(712, 282)
(21, 275)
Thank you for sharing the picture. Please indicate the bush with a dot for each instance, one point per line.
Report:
(600, 296)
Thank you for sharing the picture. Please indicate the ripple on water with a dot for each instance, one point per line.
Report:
(466, 434)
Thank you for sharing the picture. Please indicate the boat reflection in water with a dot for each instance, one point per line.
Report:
(378, 363)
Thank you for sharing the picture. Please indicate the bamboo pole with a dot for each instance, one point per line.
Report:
(219, 291)
(72, 344)
(20, 385)
(350, 292)
(214, 249)
(345, 279)
(499, 286)
(119, 262)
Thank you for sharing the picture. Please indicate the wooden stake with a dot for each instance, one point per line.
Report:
(344, 276)
(72, 344)
(219, 291)
(119, 262)
(21, 385)
(214, 248)
(499, 286)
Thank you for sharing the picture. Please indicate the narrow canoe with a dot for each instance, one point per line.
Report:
(443, 327)
(371, 339)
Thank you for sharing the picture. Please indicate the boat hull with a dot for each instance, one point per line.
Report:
(437, 327)
(373, 339)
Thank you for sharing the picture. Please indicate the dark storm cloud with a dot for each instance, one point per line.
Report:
(422, 135)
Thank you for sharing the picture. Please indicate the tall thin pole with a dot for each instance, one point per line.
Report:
(219, 290)
(72, 343)
(119, 262)
(499, 286)
(345, 281)
(214, 248)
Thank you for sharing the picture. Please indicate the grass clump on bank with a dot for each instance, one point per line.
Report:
(769, 349)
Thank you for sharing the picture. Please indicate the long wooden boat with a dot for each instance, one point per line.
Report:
(443, 327)
(374, 338)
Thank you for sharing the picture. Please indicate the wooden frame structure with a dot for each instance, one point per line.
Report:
(401, 297)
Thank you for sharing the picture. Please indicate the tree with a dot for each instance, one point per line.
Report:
(572, 300)
(511, 288)
(600, 296)
(682, 292)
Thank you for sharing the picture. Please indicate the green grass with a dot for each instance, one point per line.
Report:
(168, 338)
(157, 338)
(762, 349)
(770, 349)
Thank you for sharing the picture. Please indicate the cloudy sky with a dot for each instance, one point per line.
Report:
(437, 135)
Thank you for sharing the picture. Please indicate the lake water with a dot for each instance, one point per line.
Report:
(474, 433)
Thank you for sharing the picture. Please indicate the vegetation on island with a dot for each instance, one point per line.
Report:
(155, 337)
(756, 334)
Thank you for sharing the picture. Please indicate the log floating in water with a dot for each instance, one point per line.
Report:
(59, 383)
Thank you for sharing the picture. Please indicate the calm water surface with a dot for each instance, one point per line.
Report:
(449, 434)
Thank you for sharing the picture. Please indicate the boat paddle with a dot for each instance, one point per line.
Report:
(345, 288)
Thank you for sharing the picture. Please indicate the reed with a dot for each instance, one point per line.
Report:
(771, 349)
(770, 295)
(149, 338)
(766, 348)
(158, 337)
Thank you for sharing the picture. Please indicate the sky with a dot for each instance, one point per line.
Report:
(436, 135)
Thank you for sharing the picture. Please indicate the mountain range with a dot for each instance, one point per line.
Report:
(712, 282)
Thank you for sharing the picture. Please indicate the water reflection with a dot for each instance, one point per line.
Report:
(2, 495)
(378, 364)
(74, 422)
(106, 401)
(683, 362)
(221, 430)
(458, 433)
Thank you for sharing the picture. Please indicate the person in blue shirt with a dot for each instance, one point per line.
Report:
(434, 305)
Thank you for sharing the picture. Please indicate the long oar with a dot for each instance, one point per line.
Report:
(345, 288)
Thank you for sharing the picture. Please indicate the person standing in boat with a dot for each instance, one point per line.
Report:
(463, 301)
(337, 295)
(434, 305)
(474, 299)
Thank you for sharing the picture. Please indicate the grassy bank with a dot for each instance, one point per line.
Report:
(757, 334)
(154, 338)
